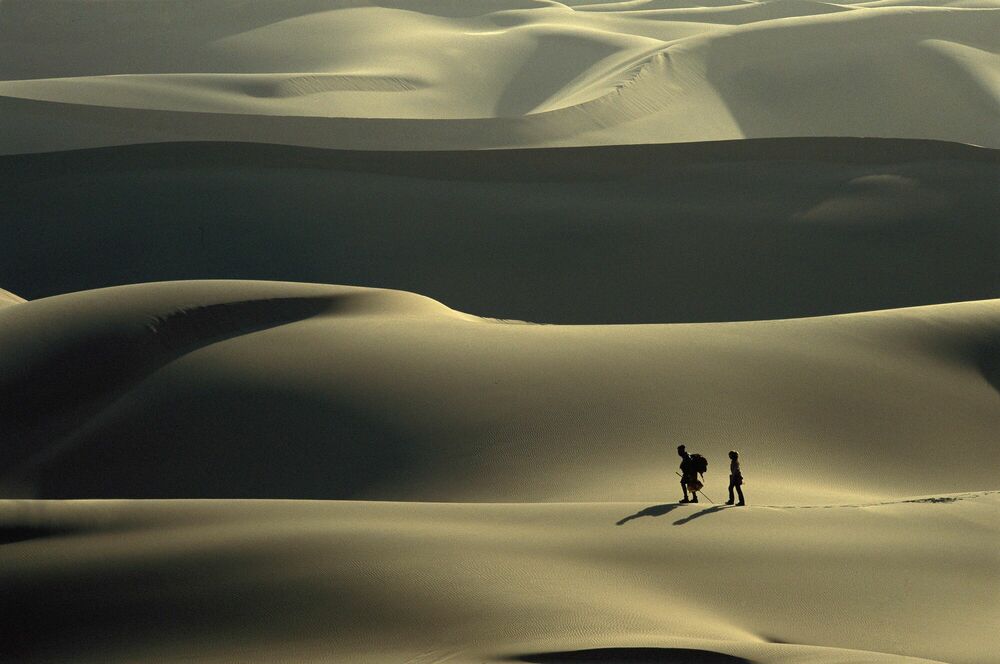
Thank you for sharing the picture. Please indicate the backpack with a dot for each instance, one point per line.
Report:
(699, 464)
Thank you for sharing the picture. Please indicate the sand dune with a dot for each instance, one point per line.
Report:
(259, 389)
(910, 581)
(635, 234)
(573, 235)
(436, 75)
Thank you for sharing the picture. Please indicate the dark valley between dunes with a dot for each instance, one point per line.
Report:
(629, 234)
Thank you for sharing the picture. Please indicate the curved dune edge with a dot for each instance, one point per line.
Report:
(334, 392)
(496, 582)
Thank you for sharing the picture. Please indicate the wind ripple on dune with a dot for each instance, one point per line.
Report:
(296, 86)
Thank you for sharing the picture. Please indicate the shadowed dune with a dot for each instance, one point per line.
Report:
(50, 387)
(83, 364)
(260, 389)
(629, 234)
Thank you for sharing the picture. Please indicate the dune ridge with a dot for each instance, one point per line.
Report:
(423, 403)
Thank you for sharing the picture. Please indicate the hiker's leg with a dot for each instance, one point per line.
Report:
(739, 490)
(730, 501)
(685, 489)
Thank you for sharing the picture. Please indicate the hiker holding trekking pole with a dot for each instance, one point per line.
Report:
(691, 466)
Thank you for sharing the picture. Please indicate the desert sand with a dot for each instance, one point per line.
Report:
(356, 331)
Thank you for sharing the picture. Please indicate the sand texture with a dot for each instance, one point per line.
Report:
(494, 73)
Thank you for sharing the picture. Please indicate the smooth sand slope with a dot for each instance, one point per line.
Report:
(869, 445)
(693, 232)
(487, 73)
(263, 389)
(222, 581)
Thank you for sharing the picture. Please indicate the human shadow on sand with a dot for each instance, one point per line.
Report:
(655, 510)
(635, 656)
(705, 512)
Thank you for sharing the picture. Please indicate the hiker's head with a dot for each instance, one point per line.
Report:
(680, 450)
(733, 454)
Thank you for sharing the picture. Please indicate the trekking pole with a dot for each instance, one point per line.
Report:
(702, 493)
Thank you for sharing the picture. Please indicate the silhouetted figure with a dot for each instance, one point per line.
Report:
(735, 478)
(689, 476)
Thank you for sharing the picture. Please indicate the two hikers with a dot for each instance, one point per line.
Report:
(693, 465)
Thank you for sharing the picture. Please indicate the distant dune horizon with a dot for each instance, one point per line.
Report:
(492, 74)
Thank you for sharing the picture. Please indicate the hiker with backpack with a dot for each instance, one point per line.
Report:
(691, 466)
(735, 478)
